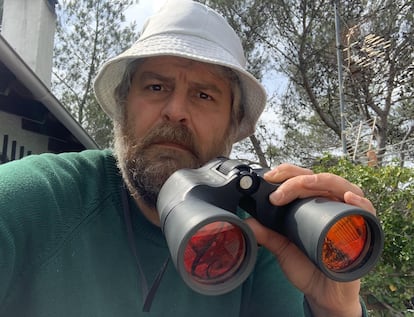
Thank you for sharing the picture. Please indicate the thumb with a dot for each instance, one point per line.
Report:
(294, 263)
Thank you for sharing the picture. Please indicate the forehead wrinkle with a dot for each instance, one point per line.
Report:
(207, 87)
(155, 75)
(217, 76)
(201, 84)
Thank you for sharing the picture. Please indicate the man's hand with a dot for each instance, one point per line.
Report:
(325, 296)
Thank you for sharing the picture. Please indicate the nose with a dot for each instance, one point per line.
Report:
(176, 107)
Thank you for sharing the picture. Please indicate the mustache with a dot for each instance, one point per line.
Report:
(171, 133)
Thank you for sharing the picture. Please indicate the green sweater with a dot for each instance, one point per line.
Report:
(64, 250)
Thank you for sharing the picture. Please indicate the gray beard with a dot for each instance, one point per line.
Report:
(146, 167)
(147, 174)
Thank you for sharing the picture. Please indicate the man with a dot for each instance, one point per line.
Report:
(75, 242)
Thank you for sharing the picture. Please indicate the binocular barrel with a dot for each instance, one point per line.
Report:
(342, 240)
(213, 249)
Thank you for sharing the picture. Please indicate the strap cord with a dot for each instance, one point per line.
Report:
(148, 295)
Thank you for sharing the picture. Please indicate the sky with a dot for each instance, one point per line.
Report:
(141, 10)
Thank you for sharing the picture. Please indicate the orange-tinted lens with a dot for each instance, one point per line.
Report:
(215, 252)
(344, 243)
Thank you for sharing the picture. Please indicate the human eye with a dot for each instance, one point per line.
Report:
(155, 87)
(203, 95)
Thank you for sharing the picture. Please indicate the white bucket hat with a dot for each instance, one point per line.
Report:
(191, 30)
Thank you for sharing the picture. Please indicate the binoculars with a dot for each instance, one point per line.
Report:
(214, 251)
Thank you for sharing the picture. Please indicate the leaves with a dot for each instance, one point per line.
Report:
(391, 190)
(88, 33)
(297, 39)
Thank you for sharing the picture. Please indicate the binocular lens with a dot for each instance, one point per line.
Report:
(215, 252)
(344, 243)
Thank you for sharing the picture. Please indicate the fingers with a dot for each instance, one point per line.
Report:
(284, 172)
(359, 201)
(276, 243)
(324, 295)
(299, 182)
(295, 264)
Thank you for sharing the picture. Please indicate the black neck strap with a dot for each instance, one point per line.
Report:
(147, 294)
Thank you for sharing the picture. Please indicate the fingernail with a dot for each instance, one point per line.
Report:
(271, 172)
(354, 197)
(276, 196)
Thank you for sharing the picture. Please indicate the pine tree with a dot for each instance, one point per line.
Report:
(88, 33)
(299, 39)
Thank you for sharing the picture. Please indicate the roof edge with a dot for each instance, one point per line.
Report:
(39, 90)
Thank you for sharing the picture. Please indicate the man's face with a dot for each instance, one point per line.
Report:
(177, 115)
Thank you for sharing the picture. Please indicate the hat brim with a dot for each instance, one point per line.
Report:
(187, 46)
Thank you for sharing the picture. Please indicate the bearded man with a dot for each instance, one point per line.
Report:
(79, 232)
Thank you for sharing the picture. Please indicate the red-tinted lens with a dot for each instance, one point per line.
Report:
(344, 243)
(215, 252)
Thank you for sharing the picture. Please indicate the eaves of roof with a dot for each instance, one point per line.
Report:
(42, 94)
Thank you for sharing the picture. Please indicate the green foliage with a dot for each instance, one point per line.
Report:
(88, 33)
(378, 78)
(297, 39)
(390, 285)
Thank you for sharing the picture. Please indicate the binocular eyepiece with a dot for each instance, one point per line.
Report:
(213, 249)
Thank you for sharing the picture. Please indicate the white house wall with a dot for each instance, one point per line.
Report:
(29, 27)
(11, 125)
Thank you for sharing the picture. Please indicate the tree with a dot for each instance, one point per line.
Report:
(389, 289)
(299, 38)
(377, 85)
(380, 72)
(246, 18)
(88, 33)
